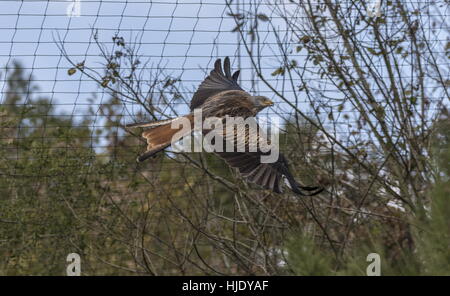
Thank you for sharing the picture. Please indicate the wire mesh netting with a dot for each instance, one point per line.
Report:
(360, 91)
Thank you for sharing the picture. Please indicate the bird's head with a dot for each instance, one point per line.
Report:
(261, 102)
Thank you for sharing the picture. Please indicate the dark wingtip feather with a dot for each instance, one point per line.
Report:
(227, 67)
(277, 187)
(236, 75)
(218, 66)
(296, 189)
(216, 82)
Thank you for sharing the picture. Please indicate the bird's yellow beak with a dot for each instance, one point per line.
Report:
(268, 103)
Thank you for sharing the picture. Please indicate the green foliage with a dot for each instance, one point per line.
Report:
(434, 238)
(427, 253)
(41, 175)
(58, 196)
(306, 259)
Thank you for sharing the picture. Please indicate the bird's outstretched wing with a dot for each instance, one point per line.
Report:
(217, 81)
(266, 175)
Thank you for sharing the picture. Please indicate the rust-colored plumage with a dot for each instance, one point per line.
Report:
(219, 95)
(161, 135)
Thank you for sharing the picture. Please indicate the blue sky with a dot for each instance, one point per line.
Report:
(183, 36)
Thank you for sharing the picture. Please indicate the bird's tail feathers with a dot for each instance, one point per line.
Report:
(161, 135)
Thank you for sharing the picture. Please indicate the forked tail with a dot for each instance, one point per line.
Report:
(161, 135)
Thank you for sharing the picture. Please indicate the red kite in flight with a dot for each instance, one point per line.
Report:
(219, 95)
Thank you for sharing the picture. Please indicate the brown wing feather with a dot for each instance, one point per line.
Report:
(229, 102)
(266, 175)
(216, 82)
